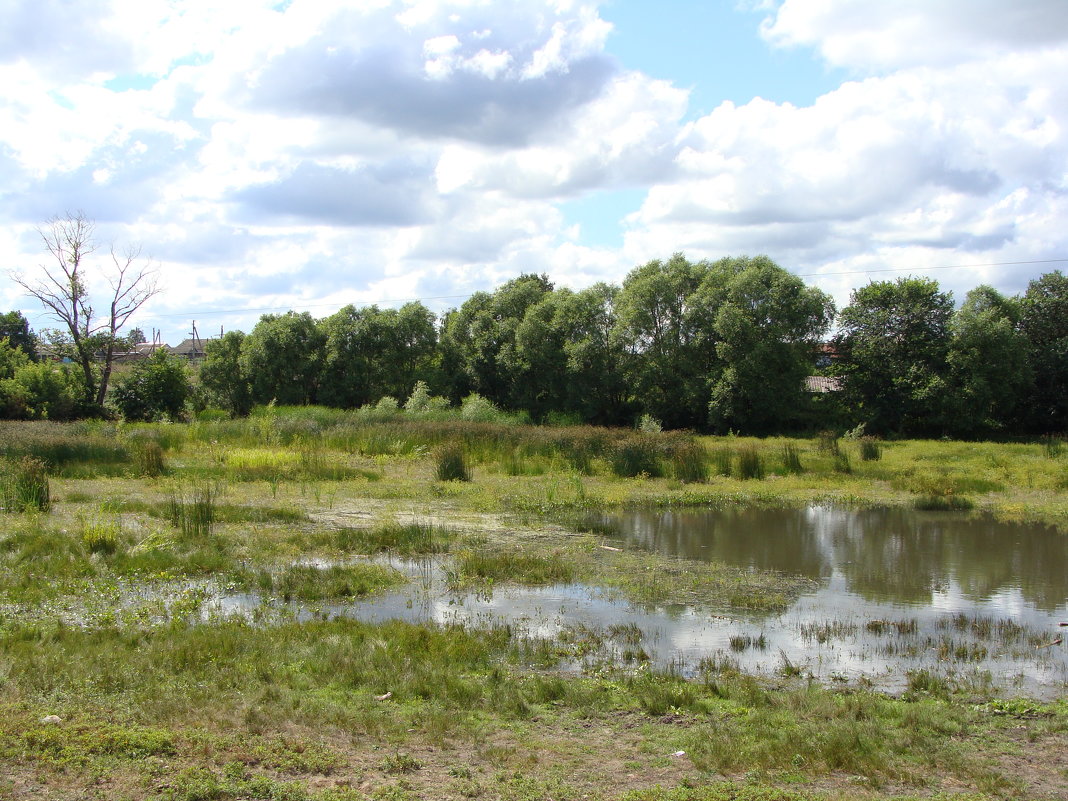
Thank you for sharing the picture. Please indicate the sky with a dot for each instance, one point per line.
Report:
(308, 154)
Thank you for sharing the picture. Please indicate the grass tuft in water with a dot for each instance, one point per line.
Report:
(193, 515)
(311, 583)
(406, 539)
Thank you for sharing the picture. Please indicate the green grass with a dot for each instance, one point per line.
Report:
(163, 703)
(334, 582)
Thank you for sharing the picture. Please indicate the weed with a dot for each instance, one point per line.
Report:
(149, 459)
(750, 463)
(723, 460)
(870, 449)
(827, 443)
(194, 515)
(311, 583)
(24, 486)
(791, 458)
(635, 456)
(101, 536)
(452, 463)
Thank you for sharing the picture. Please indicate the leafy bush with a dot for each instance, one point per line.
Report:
(157, 388)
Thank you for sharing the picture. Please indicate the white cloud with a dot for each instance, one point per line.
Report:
(885, 36)
(273, 154)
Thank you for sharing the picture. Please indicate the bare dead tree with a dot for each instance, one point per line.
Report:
(61, 289)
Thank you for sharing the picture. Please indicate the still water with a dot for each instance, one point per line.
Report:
(898, 591)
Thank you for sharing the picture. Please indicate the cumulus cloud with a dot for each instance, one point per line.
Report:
(322, 151)
(885, 36)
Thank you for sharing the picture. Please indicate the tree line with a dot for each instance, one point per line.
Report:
(710, 345)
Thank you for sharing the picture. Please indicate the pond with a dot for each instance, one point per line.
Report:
(898, 592)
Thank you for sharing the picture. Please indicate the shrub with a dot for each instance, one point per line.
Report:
(452, 463)
(155, 389)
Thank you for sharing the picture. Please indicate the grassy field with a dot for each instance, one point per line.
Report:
(113, 536)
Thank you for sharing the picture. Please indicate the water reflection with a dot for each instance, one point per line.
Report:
(885, 555)
(898, 592)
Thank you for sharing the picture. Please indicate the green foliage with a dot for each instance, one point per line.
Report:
(1044, 324)
(989, 369)
(223, 376)
(893, 344)
(369, 353)
(765, 326)
(282, 357)
(155, 389)
(16, 330)
(37, 391)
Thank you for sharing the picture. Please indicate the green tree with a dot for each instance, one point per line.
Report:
(893, 344)
(478, 341)
(155, 389)
(1044, 322)
(371, 353)
(16, 330)
(990, 374)
(666, 358)
(765, 325)
(223, 375)
(282, 357)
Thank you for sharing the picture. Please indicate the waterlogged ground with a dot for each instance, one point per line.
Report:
(347, 627)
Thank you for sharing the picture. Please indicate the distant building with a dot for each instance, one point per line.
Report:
(192, 349)
(822, 383)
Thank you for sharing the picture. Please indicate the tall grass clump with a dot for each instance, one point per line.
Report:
(689, 462)
(148, 456)
(827, 443)
(451, 463)
(750, 463)
(723, 460)
(870, 449)
(406, 539)
(791, 458)
(193, 515)
(1052, 446)
(101, 536)
(842, 463)
(24, 486)
(637, 456)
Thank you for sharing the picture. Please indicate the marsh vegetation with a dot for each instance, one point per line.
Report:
(118, 542)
